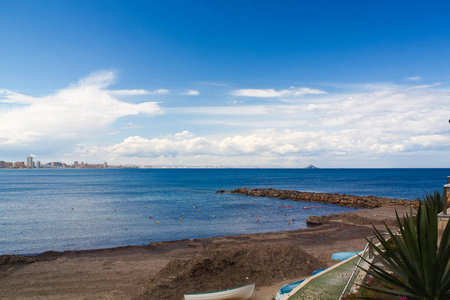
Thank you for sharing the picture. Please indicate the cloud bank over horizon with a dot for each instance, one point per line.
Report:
(371, 128)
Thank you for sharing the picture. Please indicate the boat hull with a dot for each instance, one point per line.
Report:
(239, 293)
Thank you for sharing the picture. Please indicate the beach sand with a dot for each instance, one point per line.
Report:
(168, 268)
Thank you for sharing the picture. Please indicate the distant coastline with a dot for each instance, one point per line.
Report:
(22, 166)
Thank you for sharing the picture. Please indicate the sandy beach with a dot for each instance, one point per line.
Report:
(167, 270)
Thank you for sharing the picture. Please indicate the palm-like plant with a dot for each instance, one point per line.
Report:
(418, 265)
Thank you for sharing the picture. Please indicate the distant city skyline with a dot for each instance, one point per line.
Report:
(351, 84)
(31, 164)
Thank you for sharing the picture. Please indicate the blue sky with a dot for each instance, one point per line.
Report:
(226, 83)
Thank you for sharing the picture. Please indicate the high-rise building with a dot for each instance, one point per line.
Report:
(30, 162)
(2, 164)
(38, 164)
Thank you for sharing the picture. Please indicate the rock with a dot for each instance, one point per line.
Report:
(332, 198)
(316, 220)
(14, 259)
(311, 167)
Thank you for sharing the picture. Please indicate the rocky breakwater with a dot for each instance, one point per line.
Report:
(330, 198)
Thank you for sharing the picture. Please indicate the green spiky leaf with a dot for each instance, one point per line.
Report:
(421, 264)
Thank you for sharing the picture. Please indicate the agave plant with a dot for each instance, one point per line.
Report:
(418, 264)
(434, 199)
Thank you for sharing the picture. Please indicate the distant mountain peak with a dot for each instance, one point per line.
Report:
(311, 167)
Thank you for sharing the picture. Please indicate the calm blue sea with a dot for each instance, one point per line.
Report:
(75, 209)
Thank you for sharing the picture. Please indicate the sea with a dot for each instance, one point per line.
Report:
(77, 209)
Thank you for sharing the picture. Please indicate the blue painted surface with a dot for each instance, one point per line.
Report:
(344, 255)
(318, 271)
(287, 288)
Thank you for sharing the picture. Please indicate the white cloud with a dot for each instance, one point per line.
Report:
(138, 92)
(376, 123)
(414, 78)
(99, 80)
(5, 92)
(425, 86)
(132, 126)
(361, 129)
(191, 93)
(181, 135)
(236, 102)
(240, 110)
(185, 143)
(79, 112)
(271, 93)
(272, 143)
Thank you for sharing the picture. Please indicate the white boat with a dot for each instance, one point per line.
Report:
(238, 293)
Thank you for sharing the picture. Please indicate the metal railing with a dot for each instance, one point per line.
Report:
(371, 255)
(445, 198)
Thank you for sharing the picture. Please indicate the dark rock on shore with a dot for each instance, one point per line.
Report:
(14, 259)
(316, 220)
(330, 198)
